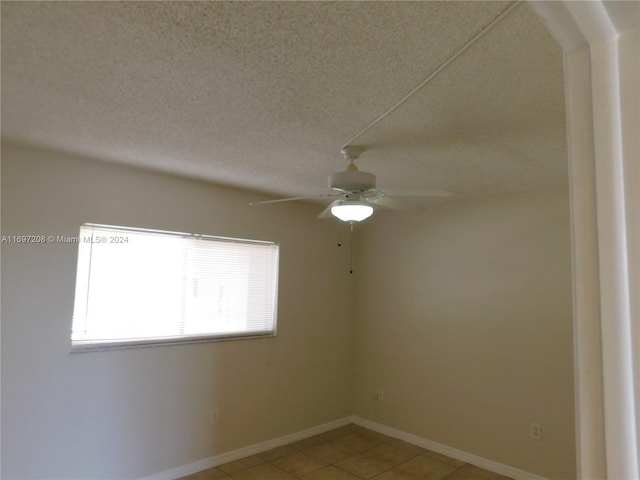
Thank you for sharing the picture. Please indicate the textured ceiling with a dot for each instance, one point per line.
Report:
(263, 94)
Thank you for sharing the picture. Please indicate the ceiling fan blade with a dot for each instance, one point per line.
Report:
(290, 199)
(387, 202)
(326, 213)
(415, 192)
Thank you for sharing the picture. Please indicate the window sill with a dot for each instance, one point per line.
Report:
(95, 346)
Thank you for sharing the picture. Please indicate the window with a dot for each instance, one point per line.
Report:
(138, 287)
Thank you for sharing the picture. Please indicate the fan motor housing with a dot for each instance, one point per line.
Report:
(352, 181)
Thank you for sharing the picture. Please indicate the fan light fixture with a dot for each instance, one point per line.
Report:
(351, 210)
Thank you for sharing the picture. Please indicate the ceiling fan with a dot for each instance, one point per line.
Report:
(357, 192)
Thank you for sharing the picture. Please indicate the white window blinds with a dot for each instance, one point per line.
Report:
(137, 286)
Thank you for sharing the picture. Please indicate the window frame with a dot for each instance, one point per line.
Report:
(88, 345)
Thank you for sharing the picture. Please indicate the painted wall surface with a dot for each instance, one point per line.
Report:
(462, 314)
(132, 413)
(464, 318)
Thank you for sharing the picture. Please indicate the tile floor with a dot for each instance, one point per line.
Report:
(347, 453)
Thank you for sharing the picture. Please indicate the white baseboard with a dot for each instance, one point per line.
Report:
(481, 462)
(257, 448)
(254, 449)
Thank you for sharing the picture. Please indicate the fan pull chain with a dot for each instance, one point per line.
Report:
(351, 247)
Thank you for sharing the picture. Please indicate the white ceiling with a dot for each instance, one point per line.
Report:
(263, 94)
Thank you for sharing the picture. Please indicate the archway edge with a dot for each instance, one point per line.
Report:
(601, 44)
(576, 24)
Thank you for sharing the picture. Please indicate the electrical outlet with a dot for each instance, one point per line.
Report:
(380, 395)
(535, 431)
(214, 416)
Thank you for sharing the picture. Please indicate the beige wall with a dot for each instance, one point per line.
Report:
(462, 314)
(131, 413)
(464, 319)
